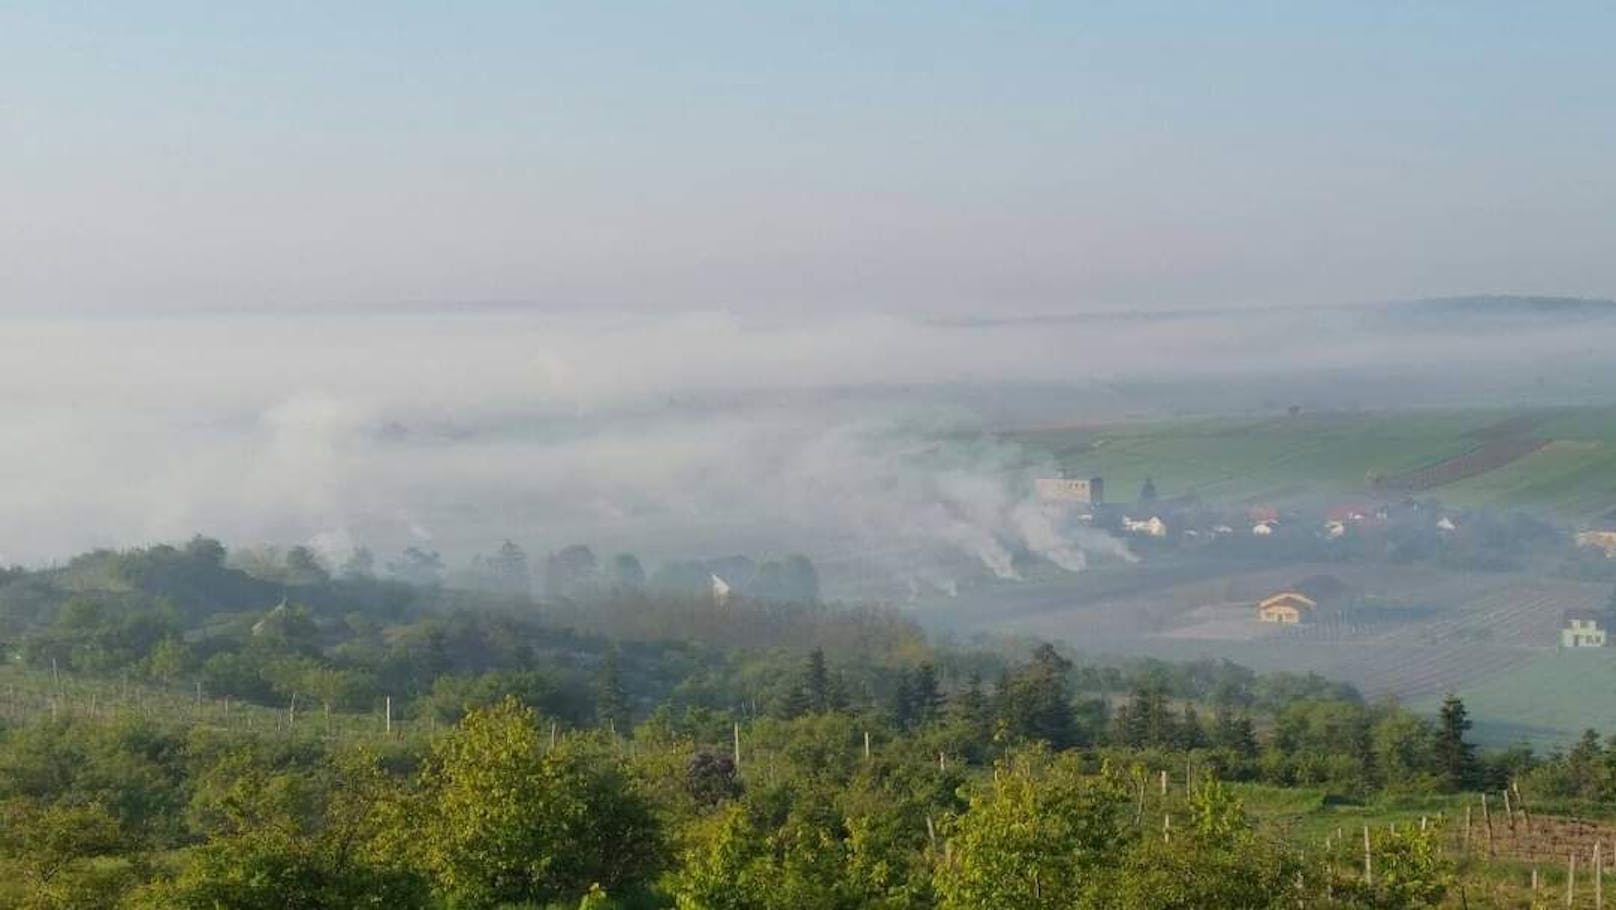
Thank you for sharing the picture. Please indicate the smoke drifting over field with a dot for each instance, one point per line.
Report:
(855, 439)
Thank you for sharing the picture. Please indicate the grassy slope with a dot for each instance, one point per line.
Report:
(1237, 460)
(1574, 478)
(1546, 701)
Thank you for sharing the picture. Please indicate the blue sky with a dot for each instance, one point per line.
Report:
(901, 156)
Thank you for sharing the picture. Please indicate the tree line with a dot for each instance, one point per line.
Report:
(663, 752)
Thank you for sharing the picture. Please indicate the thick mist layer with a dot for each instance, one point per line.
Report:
(857, 440)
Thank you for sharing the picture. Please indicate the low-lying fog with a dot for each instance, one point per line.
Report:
(855, 439)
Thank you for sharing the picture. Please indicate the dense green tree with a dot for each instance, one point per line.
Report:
(1455, 757)
(507, 819)
(792, 580)
(1404, 757)
(1039, 833)
(453, 695)
(418, 566)
(1410, 871)
(1214, 860)
(1234, 733)
(904, 710)
(928, 693)
(289, 840)
(570, 572)
(625, 573)
(1034, 703)
(814, 692)
(304, 567)
(508, 571)
(971, 708)
(611, 700)
(66, 856)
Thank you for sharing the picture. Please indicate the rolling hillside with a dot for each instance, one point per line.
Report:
(1558, 461)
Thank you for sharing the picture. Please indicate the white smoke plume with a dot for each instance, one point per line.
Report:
(859, 440)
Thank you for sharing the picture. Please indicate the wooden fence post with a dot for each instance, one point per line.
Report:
(1487, 819)
(1164, 783)
(737, 746)
(1571, 880)
(1368, 864)
(1599, 878)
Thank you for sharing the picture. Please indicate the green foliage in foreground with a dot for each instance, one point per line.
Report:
(786, 757)
(493, 813)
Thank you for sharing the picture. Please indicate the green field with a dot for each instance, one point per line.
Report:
(1569, 477)
(1239, 460)
(1543, 701)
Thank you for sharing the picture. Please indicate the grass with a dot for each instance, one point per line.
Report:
(1248, 460)
(1546, 702)
(1235, 460)
(1307, 815)
(1570, 477)
(28, 694)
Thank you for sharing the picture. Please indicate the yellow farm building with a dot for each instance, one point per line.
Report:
(1286, 607)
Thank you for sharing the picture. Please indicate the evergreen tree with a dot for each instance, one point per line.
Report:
(416, 566)
(626, 573)
(1585, 764)
(508, 570)
(303, 567)
(611, 701)
(1234, 732)
(1190, 734)
(1034, 703)
(570, 572)
(813, 693)
(1147, 720)
(816, 682)
(970, 707)
(928, 694)
(904, 713)
(1455, 758)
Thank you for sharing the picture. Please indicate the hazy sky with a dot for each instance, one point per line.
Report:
(895, 155)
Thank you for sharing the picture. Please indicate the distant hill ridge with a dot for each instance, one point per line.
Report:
(1505, 304)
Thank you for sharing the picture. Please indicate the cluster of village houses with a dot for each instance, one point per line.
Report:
(1303, 602)
(1150, 517)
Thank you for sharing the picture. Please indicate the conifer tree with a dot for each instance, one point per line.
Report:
(1456, 759)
